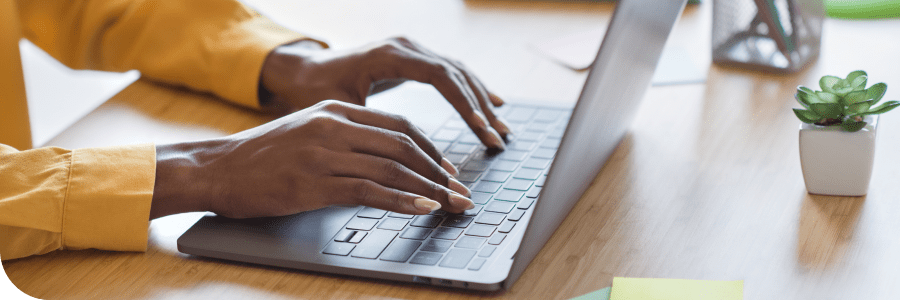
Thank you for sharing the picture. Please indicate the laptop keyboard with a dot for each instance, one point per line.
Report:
(504, 186)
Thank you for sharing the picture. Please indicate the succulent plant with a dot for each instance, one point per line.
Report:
(842, 102)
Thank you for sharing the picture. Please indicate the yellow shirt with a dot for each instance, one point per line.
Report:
(52, 198)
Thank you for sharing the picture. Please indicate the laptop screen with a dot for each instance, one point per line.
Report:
(610, 98)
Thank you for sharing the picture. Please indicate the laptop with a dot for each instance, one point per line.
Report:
(522, 194)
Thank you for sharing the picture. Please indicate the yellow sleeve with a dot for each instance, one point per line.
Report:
(213, 46)
(53, 198)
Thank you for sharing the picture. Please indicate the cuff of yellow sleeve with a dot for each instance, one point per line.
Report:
(107, 204)
(258, 38)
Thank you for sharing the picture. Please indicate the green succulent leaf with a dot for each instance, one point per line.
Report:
(843, 91)
(853, 126)
(883, 108)
(807, 116)
(856, 97)
(876, 91)
(854, 74)
(827, 82)
(827, 110)
(807, 98)
(799, 100)
(859, 108)
(859, 83)
(827, 97)
(805, 89)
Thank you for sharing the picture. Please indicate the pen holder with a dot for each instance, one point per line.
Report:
(780, 36)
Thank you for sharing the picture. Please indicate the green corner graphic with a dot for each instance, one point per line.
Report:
(8, 290)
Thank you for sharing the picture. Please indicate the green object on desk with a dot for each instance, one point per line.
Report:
(862, 9)
(675, 289)
(601, 294)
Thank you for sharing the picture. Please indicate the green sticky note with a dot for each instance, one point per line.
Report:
(601, 294)
(675, 289)
(862, 9)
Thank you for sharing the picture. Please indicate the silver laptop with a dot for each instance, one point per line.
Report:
(522, 194)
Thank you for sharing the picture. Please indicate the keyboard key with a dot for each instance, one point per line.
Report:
(536, 127)
(540, 181)
(487, 187)
(479, 166)
(529, 136)
(399, 215)
(477, 264)
(456, 124)
(426, 258)
(362, 224)
(344, 235)
(458, 221)
(518, 185)
(372, 213)
(416, 233)
(446, 233)
(497, 239)
(468, 175)
(487, 251)
(536, 163)
(529, 174)
(400, 250)
(393, 224)
(470, 138)
(557, 133)
(517, 214)
(437, 246)
(514, 155)
(521, 145)
(470, 242)
(550, 143)
(509, 195)
(358, 237)
(525, 204)
(341, 249)
(458, 258)
(547, 116)
(506, 227)
(534, 192)
(429, 221)
(500, 206)
(520, 114)
(438, 213)
(496, 176)
(481, 230)
(447, 135)
(456, 159)
(480, 198)
(463, 148)
(473, 211)
(490, 218)
(441, 146)
(374, 244)
(544, 153)
(505, 165)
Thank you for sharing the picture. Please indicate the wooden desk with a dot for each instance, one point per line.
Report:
(707, 185)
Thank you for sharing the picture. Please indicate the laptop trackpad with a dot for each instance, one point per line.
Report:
(288, 237)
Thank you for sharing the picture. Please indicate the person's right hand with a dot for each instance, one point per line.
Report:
(332, 153)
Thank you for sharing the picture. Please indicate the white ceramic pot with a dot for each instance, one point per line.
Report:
(836, 162)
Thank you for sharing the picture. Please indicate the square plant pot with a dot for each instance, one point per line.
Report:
(836, 162)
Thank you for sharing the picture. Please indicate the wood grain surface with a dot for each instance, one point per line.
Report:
(707, 185)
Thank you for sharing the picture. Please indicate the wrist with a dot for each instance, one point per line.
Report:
(180, 182)
(278, 69)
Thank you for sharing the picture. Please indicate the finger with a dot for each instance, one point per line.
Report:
(392, 174)
(407, 63)
(475, 85)
(366, 192)
(380, 119)
(496, 100)
(399, 147)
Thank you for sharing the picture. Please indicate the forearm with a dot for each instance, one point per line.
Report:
(179, 184)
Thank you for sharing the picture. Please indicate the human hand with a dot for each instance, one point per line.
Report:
(333, 153)
(300, 75)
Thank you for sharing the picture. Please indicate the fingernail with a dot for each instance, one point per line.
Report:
(447, 165)
(503, 126)
(425, 203)
(498, 141)
(461, 202)
(458, 187)
(497, 101)
(480, 121)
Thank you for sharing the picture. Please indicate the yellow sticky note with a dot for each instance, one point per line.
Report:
(675, 289)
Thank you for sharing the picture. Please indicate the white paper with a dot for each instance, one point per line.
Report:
(59, 96)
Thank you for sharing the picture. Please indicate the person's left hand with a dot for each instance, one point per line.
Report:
(302, 74)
